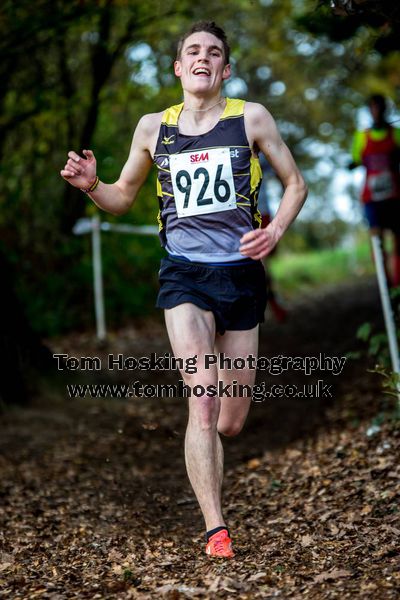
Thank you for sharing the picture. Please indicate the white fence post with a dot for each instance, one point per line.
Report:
(387, 308)
(95, 226)
(98, 279)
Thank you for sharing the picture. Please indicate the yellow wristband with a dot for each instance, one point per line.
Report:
(92, 187)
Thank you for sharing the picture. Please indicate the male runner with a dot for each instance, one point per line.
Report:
(212, 281)
(378, 150)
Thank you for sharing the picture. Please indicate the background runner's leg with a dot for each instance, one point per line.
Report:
(191, 332)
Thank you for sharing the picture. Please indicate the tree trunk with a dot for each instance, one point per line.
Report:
(22, 354)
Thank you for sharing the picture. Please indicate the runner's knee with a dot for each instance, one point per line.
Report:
(204, 412)
(230, 429)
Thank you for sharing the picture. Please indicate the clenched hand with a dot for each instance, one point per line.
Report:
(80, 172)
(258, 243)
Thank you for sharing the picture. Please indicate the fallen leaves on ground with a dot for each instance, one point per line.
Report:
(95, 504)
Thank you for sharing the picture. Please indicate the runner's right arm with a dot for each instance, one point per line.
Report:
(117, 198)
(357, 147)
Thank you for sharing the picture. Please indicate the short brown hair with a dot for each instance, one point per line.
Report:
(379, 100)
(208, 27)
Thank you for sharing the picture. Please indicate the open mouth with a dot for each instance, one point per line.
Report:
(202, 71)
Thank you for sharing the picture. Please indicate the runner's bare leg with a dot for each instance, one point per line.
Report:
(236, 344)
(192, 332)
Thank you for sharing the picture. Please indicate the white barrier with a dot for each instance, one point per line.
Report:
(386, 306)
(95, 226)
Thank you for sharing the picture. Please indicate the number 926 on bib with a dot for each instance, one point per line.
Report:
(203, 182)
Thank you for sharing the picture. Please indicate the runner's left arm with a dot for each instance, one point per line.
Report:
(263, 133)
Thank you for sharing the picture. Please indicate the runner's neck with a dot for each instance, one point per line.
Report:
(199, 115)
(382, 124)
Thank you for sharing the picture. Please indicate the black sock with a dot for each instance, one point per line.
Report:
(212, 531)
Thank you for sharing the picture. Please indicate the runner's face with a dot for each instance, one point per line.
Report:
(377, 111)
(201, 67)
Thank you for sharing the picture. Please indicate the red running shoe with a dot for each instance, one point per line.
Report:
(220, 544)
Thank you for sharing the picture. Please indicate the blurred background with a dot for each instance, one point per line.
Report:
(79, 74)
(95, 501)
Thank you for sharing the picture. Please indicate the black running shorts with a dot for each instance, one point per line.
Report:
(384, 214)
(236, 295)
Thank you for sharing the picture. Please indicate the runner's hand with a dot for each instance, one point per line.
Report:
(258, 243)
(80, 172)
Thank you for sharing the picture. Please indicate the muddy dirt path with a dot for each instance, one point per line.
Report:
(95, 502)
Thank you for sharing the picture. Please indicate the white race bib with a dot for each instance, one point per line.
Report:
(202, 181)
(381, 186)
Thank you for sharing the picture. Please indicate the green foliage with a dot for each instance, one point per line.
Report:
(305, 235)
(376, 342)
(377, 347)
(342, 19)
(364, 332)
(391, 381)
(73, 77)
(370, 38)
(299, 272)
(130, 267)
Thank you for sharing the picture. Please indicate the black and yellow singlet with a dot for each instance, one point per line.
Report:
(207, 187)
